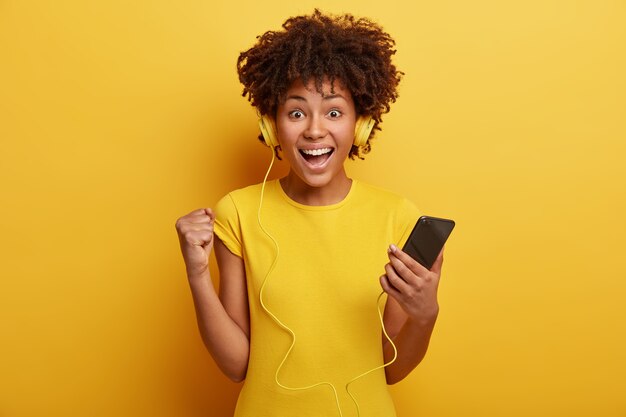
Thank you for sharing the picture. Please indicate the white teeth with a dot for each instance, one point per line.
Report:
(316, 152)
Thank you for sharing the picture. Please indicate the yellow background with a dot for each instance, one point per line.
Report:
(118, 117)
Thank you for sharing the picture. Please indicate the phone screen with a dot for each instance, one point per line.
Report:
(427, 239)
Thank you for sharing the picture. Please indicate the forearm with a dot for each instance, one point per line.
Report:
(412, 343)
(227, 343)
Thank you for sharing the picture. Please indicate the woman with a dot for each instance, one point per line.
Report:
(300, 258)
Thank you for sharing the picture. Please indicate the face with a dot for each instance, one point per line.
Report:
(316, 132)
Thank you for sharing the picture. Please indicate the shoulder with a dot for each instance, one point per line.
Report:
(233, 212)
(397, 212)
(244, 202)
(245, 195)
(374, 195)
(376, 190)
(247, 192)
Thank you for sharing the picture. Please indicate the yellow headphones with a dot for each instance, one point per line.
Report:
(362, 130)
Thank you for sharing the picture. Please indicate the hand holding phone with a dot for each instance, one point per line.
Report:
(427, 239)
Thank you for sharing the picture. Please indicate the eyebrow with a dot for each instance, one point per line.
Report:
(328, 97)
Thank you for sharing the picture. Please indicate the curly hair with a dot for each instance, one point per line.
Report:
(355, 52)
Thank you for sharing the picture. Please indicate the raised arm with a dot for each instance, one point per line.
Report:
(410, 312)
(223, 320)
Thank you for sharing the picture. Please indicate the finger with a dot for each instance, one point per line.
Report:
(388, 288)
(406, 259)
(197, 227)
(396, 280)
(199, 238)
(198, 211)
(187, 225)
(406, 273)
(438, 263)
(199, 218)
(196, 216)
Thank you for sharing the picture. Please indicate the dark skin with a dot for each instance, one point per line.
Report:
(409, 317)
(411, 309)
(355, 51)
(410, 312)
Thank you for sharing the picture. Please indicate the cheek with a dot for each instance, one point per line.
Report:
(286, 136)
(347, 137)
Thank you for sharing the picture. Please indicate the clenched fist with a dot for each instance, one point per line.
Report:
(195, 233)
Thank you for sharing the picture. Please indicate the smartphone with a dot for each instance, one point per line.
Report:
(427, 239)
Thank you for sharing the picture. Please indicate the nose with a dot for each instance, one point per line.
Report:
(315, 128)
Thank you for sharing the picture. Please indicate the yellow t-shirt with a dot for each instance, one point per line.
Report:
(324, 287)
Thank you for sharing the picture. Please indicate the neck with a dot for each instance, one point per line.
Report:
(303, 193)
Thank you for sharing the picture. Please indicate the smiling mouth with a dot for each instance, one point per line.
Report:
(316, 157)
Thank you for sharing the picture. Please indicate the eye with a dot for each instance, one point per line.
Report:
(296, 114)
(334, 113)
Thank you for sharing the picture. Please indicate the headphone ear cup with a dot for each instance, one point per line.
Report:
(268, 130)
(362, 130)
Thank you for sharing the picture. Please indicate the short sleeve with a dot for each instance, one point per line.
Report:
(227, 225)
(407, 216)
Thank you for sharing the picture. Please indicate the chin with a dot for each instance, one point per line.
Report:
(316, 181)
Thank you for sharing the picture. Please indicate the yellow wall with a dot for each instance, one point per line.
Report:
(118, 117)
